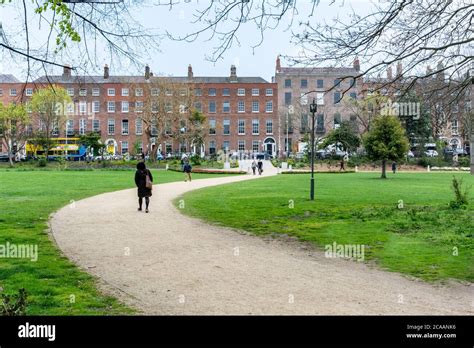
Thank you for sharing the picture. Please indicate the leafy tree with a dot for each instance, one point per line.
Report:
(14, 122)
(49, 103)
(345, 136)
(386, 141)
(92, 140)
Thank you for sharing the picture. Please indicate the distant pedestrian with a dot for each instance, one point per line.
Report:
(254, 166)
(260, 167)
(187, 169)
(144, 182)
(394, 167)
(342, 166)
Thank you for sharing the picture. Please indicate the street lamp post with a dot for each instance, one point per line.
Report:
(313, 108)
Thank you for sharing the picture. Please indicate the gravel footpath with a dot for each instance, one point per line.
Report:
(166, 263)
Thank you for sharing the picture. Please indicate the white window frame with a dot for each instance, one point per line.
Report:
(255, 102)
(269, 92)
(138, 92)
(138, 126)
(111, 92)
(241, 127)
(241, 106)
(125, 130)
(95, 92)
(241, 92)
(70, 91)
(125, 106)
(255, 122)
(125, 92)
(110, 123)
(29, 92)
(255, 92)
(109, 104)
(269, 106)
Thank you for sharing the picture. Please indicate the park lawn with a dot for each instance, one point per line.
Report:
(27, 198)
(421, 238)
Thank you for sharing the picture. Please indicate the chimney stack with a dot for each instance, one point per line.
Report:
(190, 72)
(399, 69)
(106, 71)
(67, 70)
(389, 73)
(356, 64)
(440, 69)
(233, 73)
(278, 64)
(147, 72)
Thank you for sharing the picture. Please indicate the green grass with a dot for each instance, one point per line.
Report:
(27, 198)
(419, 239)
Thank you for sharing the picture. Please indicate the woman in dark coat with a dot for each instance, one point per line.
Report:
(140, 181)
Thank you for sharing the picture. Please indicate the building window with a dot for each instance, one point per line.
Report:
(212, 147)
(255, 92)
(82, 126)
(454, 127)
(241, 145)
(111, 92)
(226, 106)
(111, 126)
(139, 92)
(337, 120)
(70, 127)
(255, 146)
(1, 92)
(287, 83)
(110, 106)
(138, 126)
(269, 92)
(304, 99)
(198, 106)
(169, 148)
(255, 127)
(198, 92)
(29, 92)
(226, 92)
(353, 95)
(124, 147)
(95, 92)
(168, 107)
(241, 92)
(320, 123)
(320, 98)
(337, 82)
(241, 127)
(125, 106)
(55, 130)
(82, 92)
(183, 92)
(304, 123)
(337, 97)
(70, 92)
(96, 106)
(125, 92)
(212, 92)
(212, 106)
(82, 107)
(70, 108)
(182, 147)
(269, 106)
(304, 83)
(287, 98)
(124, 127)
(155, 92)
(140, 147)
(241, 106)
(226, 145)
(226, 127)
(255, 106)
(212, 127)
(269, 126)
(320, 83)
(96, 126)
(139, 106)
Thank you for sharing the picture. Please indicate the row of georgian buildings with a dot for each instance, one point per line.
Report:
(243, 114)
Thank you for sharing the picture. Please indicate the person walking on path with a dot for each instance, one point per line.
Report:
(144, 182)
(187, 169)
(260, 167)
(394, 167)
(254, 167)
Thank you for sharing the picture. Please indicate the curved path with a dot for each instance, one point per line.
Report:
(166, 263)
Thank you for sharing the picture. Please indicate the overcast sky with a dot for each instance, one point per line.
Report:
(173, 57)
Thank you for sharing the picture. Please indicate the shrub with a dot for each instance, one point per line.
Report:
(195, 160)
(460, 196)
(42, 162)
(14, 305)
(464, 161)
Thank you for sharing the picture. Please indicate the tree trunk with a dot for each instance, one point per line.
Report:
(10, 158)
(384, 164)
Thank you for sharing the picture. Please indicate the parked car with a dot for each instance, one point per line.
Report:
(460, 152)
(430, 150)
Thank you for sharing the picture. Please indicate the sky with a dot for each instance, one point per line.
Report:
(173, 57)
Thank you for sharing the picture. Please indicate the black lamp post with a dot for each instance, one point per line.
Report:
(313, 108)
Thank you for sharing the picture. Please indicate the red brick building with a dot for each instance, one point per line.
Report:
(241, 112)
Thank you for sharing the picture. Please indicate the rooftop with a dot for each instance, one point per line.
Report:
(327, 71)
(8, 78)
